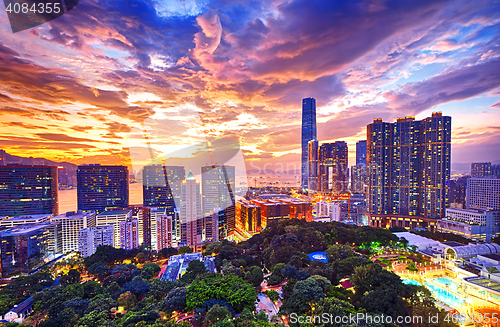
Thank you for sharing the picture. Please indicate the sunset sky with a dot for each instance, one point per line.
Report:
(111, 75)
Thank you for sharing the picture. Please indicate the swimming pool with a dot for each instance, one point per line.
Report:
(445, 296)
(446, 282)
(409, 281)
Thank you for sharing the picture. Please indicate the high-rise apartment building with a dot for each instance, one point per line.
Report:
(190, 211)
(313, 169)
(308, 134)
(71, 223)
(409, 168)
(28, 190)
(129, 234)
(218, 187)
(333, 170)
(113, 217)
(480, 169)
(102, 187)
(483, 193)
(91, 237)
(165, 232)
(361, 153)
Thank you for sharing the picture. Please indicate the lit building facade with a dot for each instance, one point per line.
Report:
(165, 232)
(328, 210)
(218, 187)
(113, 217)
(28, 190)
(102, 187)
(23, 248)
(313, 169)
(474, 224)
(333, 169)
(91, 237)
(161, 186)
(71, 223)
(480, 169)
(308, 134)
(408, 166)
(248, 217)
(483, 193)
(10, 222)
(361, 153)
(190, 210)
(129, 234)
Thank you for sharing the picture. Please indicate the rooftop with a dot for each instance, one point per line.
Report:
(23, 229)
(114, 212)
(23, 306)
(492, 256)
(26, 217)
(453, 244)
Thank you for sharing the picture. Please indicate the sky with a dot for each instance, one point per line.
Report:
(123, 82)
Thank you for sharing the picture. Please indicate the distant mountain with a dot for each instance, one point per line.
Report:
(66, 176)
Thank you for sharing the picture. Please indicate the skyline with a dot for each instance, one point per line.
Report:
(85, 87)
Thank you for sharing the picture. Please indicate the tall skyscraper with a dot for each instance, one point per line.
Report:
(71, 223)
(361, 153)
(409, 167)
(313, 168)
(28, 190)
(308, 134)
(190, 211)
(91, 237)
(483, 193)
(100, 187)
(165, 232)
(218, 187)
(161, 186)
(480, 169)
(333, 170)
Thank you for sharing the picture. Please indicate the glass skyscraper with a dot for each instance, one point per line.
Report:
(162, 186)
(409, 166)
(308, 134)
(28, 190)
(218, 187)
(333, 170)
(361, 153)
(100, 187)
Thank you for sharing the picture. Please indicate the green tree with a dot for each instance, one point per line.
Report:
(195, 268)
(127, 300)
(255, 275)
(232, 289)
(176, 299)
(73, 276)
(184, 249)
(273, 295)
(304, 293)
(150, 270)
(217, 313)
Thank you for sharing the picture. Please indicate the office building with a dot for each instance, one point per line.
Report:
(102, 187)
(9, 222)
(129, 234)
(23, 248)
(328, 210)
(361, 153)
(308, 134)
(475, 224)
(161, 186)
(483, 193)
(313, 169)
(71, 223)
(358, 179)
(271, 210)
(91, 237)
(297, 209)
(113, 217)
(218, 187)
(28, 190)
(409, 168)
(147, 221)
(190, 210)
(333, 170)
(480, 169)
(248, 217)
